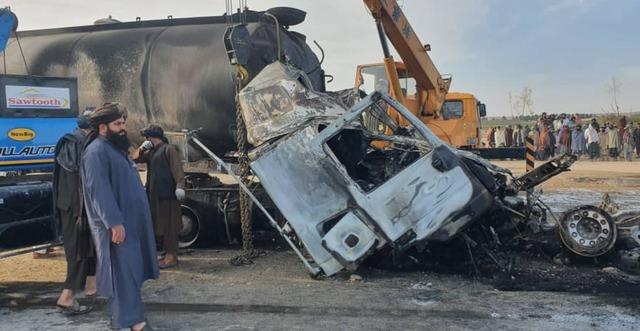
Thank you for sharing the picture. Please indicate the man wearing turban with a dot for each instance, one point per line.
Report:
(119, 217)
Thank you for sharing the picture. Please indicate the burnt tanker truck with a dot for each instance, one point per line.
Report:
(174, 72)
(180, 73)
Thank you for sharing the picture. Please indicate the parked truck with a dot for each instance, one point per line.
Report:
(175, 72)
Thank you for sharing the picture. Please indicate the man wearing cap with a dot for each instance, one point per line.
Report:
(69, 211)
(165, 187)
(119, 217)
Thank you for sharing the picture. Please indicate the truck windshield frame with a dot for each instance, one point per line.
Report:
(376, 72)
(407, 82)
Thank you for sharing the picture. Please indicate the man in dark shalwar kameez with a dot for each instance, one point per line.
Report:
(69, 207)
(119, 216)
(165, 188)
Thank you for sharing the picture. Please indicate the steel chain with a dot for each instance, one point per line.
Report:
(248, 253)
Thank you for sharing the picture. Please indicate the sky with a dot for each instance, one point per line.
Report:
(565, 51)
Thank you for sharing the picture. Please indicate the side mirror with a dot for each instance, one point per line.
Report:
(482, 108)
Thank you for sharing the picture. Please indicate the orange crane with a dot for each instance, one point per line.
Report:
(390, 21)
(419, 86)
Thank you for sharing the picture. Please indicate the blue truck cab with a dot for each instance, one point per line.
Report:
(35, 112)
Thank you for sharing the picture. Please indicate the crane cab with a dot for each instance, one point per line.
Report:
(456, 123)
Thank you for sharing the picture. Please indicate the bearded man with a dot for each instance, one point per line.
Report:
(119, 217)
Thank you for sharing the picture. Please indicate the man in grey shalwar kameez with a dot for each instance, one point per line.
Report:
(119, 217)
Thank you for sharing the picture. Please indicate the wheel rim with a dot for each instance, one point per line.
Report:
(189, 229)
(588, 231)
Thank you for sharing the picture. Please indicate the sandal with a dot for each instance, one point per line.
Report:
(75, 309)
(91, 298)
(146, 327)
(46, 254)
(164, 265)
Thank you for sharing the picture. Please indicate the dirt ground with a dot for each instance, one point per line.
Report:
(601, 176)
(585, 177)
(206, 293)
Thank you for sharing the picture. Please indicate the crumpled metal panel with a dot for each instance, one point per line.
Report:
(420, 198)
(279, 100)
(314, 192)
(298, 177)
(349, 240)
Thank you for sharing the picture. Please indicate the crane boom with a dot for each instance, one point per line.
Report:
(414, 55)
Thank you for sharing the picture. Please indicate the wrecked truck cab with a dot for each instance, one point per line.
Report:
(348, 189)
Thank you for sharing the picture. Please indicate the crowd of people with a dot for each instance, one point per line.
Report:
(563, 134)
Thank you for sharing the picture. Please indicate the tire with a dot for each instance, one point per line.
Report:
(193, 230)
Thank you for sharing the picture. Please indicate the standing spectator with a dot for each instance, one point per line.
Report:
(70, 211)
(554, 122)
(547, 142)
(542, 121)
(636, 138)
(577, 119)
(165, 188)
(525, 134)
(564, 140)
(592, 137)
(508, 136)
(622, 126)
(603, 141)
(500, 137)
(557, 123)
(536, 142)
(577, 141)
(628, 143)
(491, 137)
(552, 143)
(613, 140)
(517, 136)
(594, 124)
(571, 123)
(119, 217)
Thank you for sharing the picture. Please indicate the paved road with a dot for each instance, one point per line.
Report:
(206, 293)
